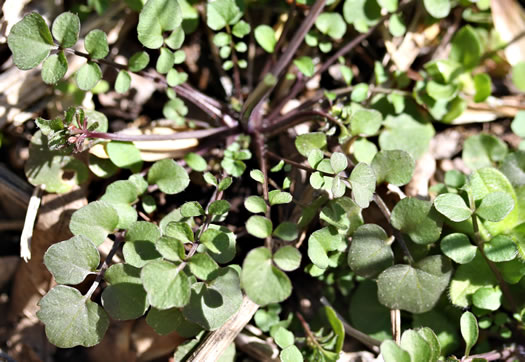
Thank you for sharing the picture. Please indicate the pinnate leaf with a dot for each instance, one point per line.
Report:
(166, 285)
(414, 288)
(65, 29)
(453, 207)
(369, 252)
(457, 247)
(72, 319)
(287, 258)
(418, 219)
(124, 298)
(156, 17)
(469, 330)
(96, 44)
(213, 303)
(94, 221)
(393, 166)
(262, 281)
(54, 68)
(70, 261)
(88, 76)
(169, 176)
(30, 41)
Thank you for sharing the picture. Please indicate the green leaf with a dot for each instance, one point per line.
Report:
(361, 13)
(276, 197)
(466, 47)
(219, 207)
(30, 41)
(72, 319)
(482, 150)
(95, 221)
(444, 328)
(169, 320)
(257, 175)
(391, 352)
(366, 122)
(191, 208)
(214, 302)
(180, 231)
(483, 86)
(433, 342)
(255, 204)
(176, 38)
(121, 195)
(468, 278)
(241, 29)
(363, 181)
(488, 298)
(282, 337)
(165, 61)
(437, 8)
(342, 213)
(156, 17)
(102, 167)
(370, 253)
(338, 161)
(265, 37)
(124, 298)
(458, 248)
(495, 206)
(331, 24)
(360, 92)
(415, 288)
(337, 327)
(287, 258)
(169, 176)
(406, 133)
(322, 242)
(501, 248)
(65, 29)
(72, 260)
(225, 183)
(363, 304)
(259, 226)
(396, 25)
(54, 68)
(305, 65)
(123, 82)
(395, 167)
(469, 330)
(170, 248)
(518, 74)
(202, 266)
(418, 219)
(364, 150)
(219, 242)
(165, 284)
(139, 248)
(138, 61)
(47, 167)
(263, 282)
(221, 13)
(88, 76)
(305, 143)
(442, 92)
(416, 346)
(453, 207)
(195, 161)
(287, 231)
(96, 44)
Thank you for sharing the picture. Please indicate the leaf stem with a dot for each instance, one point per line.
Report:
(308, 331)
(119, 238)
(501, 282)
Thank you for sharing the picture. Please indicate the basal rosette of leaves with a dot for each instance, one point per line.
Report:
(278, 203)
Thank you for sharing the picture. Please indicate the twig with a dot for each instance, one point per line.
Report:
(119, 238)
(211, 349)
(29, 224)
(395, 321)
(307, 330)
(495, 355)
